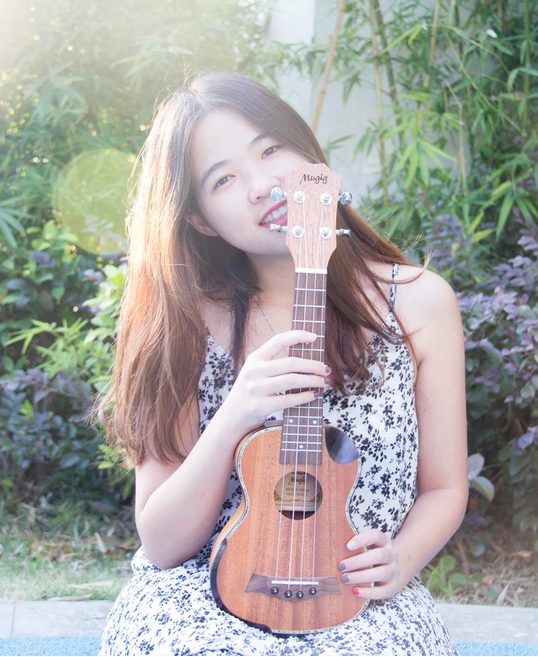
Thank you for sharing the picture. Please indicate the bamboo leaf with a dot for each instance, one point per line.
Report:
(477, 221)
(529, 71)
(424, 171)
(511, 78)
(431, 148)
(500, 190)
(527, 207)
(413, 163)
(411, 34)
(406, 155)
(482, 234)
(506, 208)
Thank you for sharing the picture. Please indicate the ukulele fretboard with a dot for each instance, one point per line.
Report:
(302, 431)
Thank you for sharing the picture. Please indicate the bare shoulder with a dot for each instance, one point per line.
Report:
(423, 291)
(420, 293)
(427, 308)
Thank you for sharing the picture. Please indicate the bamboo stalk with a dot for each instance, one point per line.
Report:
(462, 162)
(379, 101)
(527, 78)
(328, 65)
(431, 56)
(393, 89)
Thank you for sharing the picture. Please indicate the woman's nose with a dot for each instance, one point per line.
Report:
(261, 185)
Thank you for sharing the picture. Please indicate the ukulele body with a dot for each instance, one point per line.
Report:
(277, 568)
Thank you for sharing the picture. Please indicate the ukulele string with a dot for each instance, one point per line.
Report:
(307, 446)
(298, 306)
(318, 312)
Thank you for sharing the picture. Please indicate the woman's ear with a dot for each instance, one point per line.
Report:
(197, 221)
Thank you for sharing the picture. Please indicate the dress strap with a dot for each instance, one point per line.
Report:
(394, 285)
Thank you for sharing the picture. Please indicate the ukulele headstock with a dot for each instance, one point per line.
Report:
(313, 195)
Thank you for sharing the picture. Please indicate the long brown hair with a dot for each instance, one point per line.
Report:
(162, 337)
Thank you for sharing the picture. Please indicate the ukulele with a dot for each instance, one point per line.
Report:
(275, 563)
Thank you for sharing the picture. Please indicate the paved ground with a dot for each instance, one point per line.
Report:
(59, 619)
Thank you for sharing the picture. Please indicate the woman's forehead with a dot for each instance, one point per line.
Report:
(221, 137)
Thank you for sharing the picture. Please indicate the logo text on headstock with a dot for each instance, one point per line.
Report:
(319, 179)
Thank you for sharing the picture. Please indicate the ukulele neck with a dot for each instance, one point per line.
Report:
(302, 431)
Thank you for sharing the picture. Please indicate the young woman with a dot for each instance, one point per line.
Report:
(202, 359)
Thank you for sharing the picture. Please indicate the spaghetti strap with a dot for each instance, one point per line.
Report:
(394, 285)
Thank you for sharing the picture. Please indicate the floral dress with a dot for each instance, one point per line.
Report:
(173, 612)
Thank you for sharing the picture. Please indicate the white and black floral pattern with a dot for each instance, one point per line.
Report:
(173, 612)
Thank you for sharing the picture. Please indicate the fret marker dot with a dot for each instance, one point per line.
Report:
(301, 446)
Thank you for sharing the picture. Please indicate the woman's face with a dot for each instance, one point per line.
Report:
(234, 168)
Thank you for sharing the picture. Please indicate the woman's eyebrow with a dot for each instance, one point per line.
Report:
(222, 163)
(211, 170)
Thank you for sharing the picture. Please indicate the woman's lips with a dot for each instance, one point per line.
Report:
(278, 214)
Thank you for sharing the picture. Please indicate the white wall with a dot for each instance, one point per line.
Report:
(300, 21)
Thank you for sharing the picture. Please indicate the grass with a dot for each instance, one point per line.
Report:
(82, 551)
(72, 551)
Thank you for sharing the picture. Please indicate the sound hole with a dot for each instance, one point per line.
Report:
(298, 495)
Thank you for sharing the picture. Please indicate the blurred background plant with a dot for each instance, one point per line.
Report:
(78, 80)
(456, 85)
(456, 134)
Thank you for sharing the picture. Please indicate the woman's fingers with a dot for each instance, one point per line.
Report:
(373, 570)
(268, 383)
(272, 348)
(276, 376)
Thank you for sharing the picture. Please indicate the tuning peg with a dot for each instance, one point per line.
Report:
(343, 231)
(277, 228)
(345, 198)
(277, 194)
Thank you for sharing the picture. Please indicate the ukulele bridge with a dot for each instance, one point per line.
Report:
(293, 589)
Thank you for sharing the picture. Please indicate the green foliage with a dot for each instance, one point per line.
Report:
(457, 108)
(80, 79)
(44, 432)
(479, 482)
(456, 132)
(443, 578)
(500, 315)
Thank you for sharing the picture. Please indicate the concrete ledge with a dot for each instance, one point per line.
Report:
(7, 615)
(491, 623)
(53, 619)
(467, 623)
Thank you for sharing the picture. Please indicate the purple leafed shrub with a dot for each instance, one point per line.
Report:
(500, 316)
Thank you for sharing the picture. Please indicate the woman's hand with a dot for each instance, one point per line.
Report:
(373, 570)
(268, 383)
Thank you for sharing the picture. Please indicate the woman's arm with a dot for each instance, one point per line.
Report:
(429, 311)
(178, 504)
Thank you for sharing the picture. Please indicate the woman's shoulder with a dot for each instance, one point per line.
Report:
(418, 289)
(423, 291)
(427, 308)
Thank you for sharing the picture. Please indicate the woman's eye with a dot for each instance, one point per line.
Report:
(270, 150)
(222, 181)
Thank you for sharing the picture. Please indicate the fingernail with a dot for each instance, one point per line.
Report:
(327, 370)
(342, 565)
(345, 578)
(356, 591)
